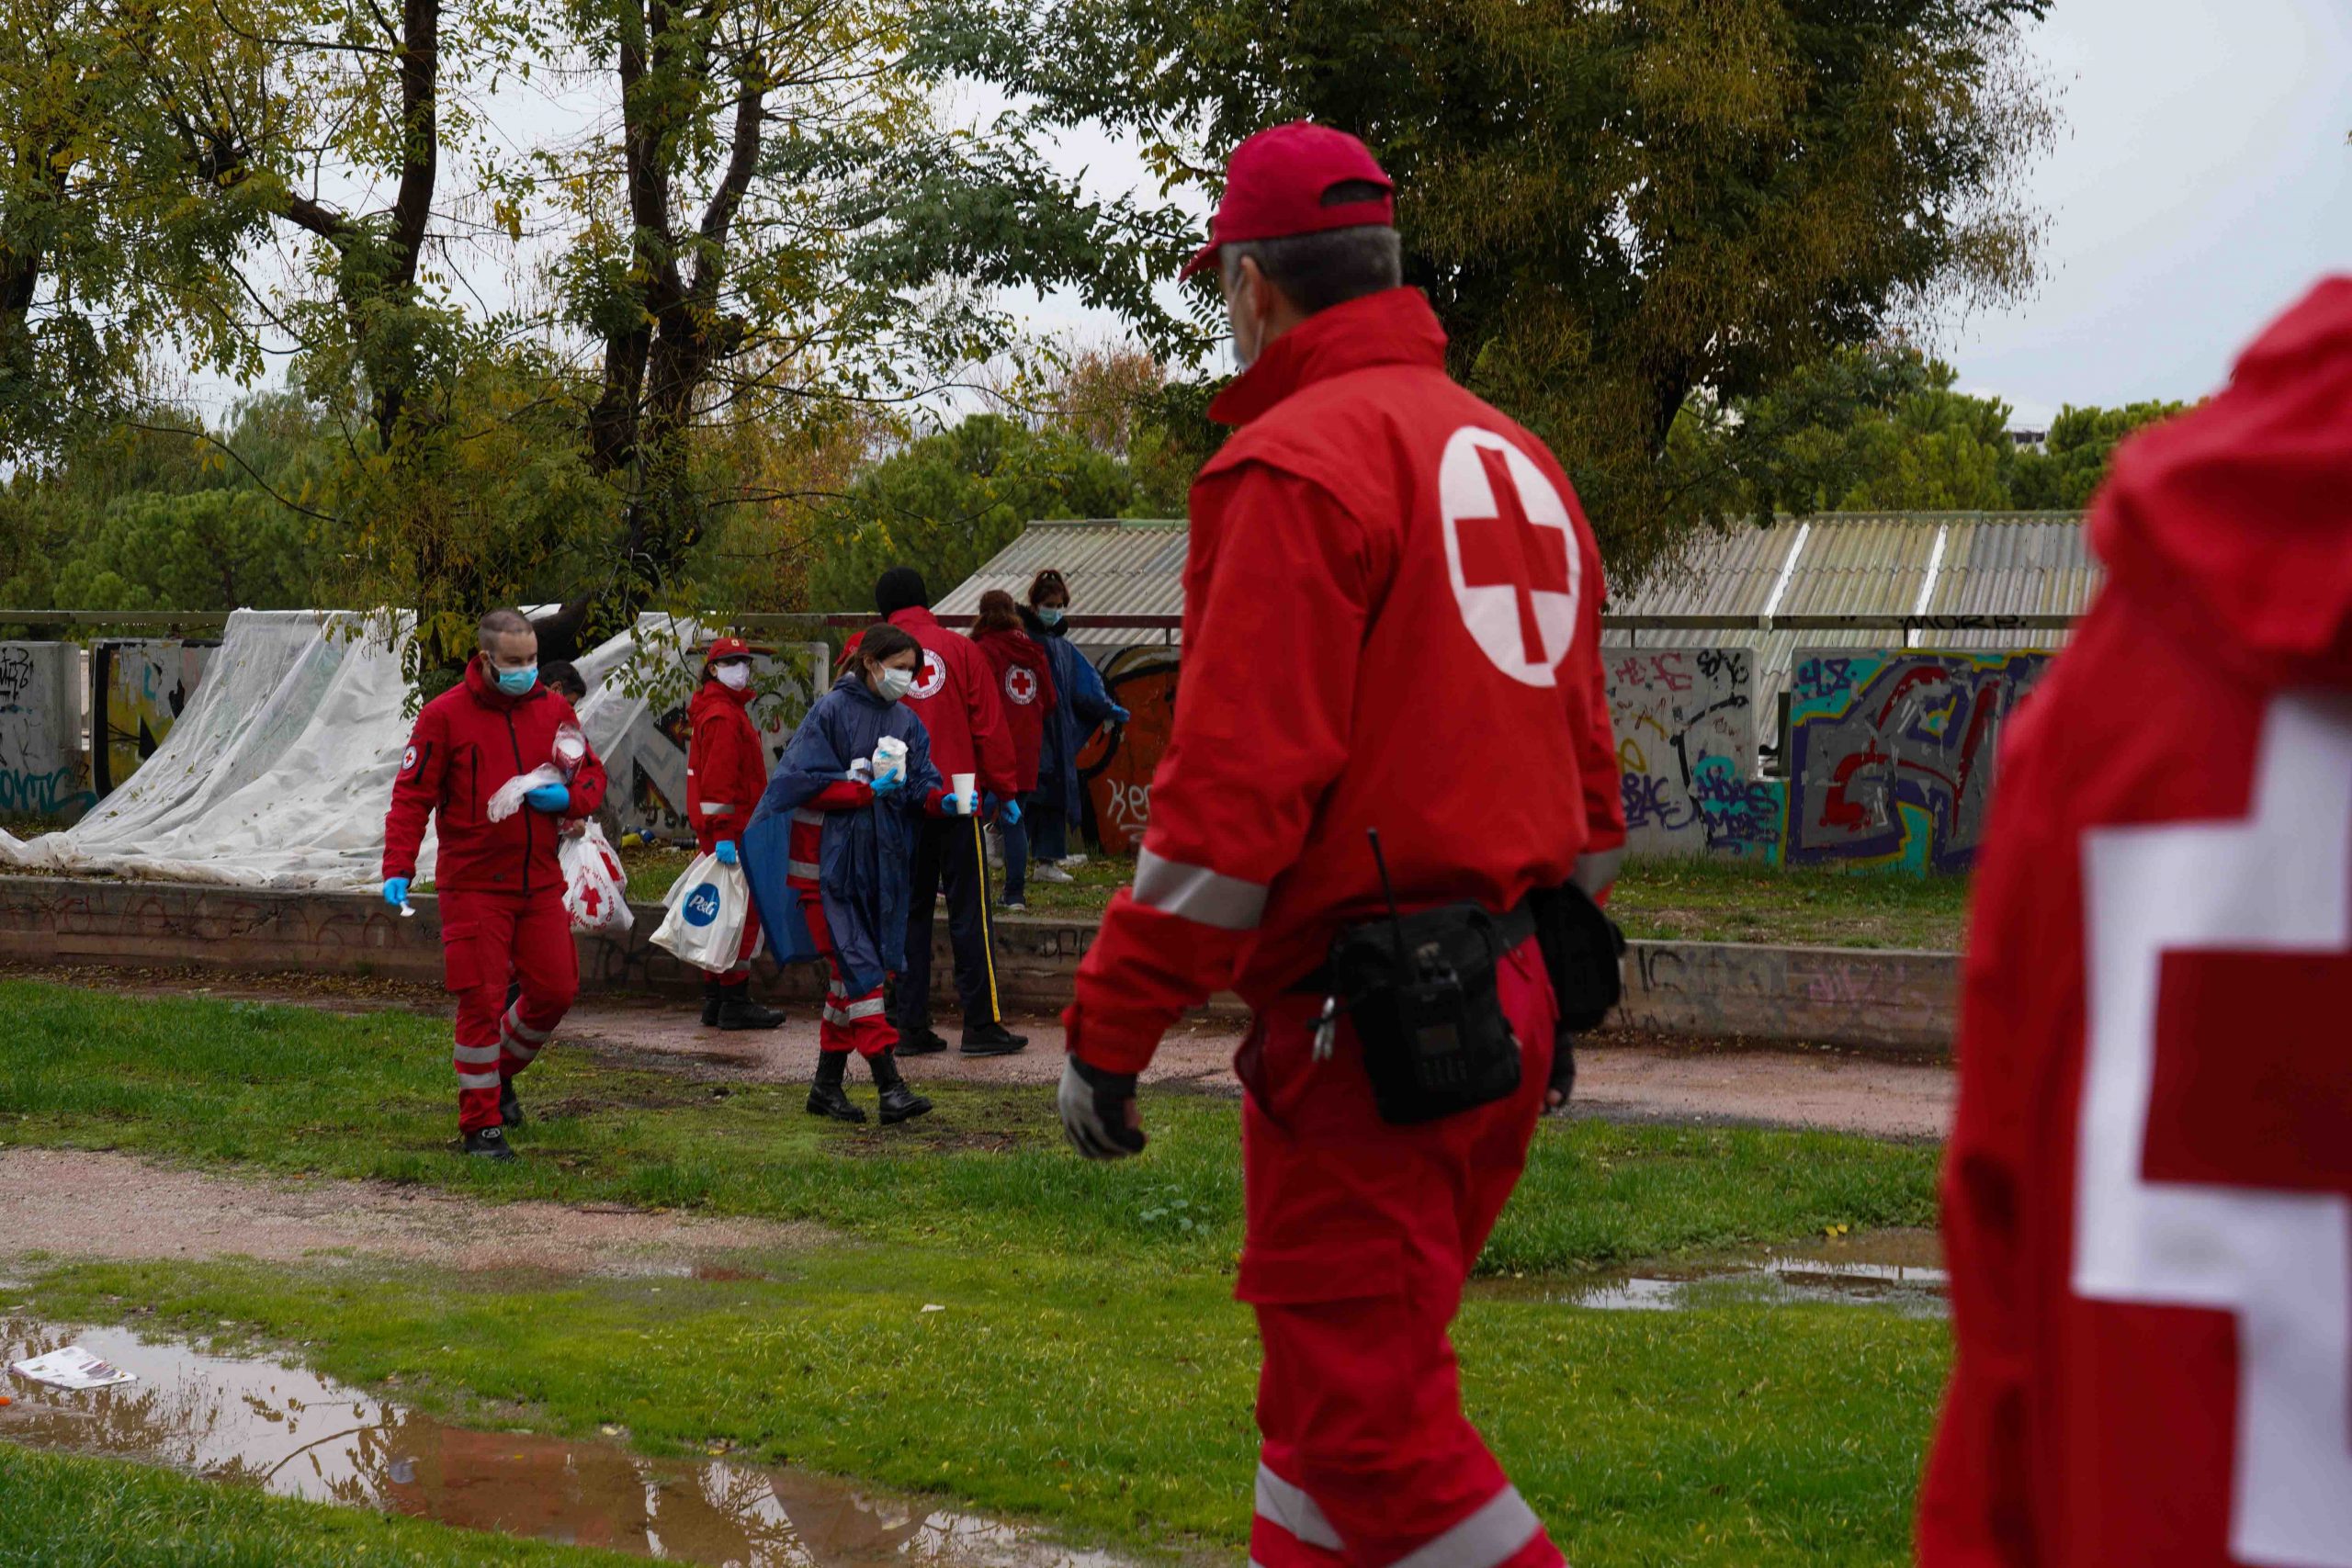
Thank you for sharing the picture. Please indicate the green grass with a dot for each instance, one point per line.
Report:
(652, 869)
(1090, 1369)
(60, 1512)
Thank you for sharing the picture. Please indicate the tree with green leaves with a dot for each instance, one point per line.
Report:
(1615, 210)
(2074, 455)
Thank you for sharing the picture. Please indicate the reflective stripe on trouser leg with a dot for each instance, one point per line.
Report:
(519, 1044)
(1290, 1530)
(988, 932)
(854, 1023)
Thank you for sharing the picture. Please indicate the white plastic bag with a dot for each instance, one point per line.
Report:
(509, 799)
(889, 759)
(707, 906)
(595, 888)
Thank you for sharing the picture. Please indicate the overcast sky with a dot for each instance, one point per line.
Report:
(2200, 181)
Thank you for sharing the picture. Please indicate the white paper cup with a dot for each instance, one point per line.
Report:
(963, 783)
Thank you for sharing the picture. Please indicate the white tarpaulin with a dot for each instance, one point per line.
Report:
(278, 772)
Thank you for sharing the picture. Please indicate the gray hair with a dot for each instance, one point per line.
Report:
(1315, 272)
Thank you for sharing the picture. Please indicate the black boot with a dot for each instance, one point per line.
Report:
(509, 1110)
(826, 1096)
(489, 1143)
(738, 1011)
(992, 1039)
(899, 1103)
(713, 993)
(921, 1041)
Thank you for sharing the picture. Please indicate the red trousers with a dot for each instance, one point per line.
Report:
(1359, 1239)
(753, 934)
(487, 938)
(859, 1024)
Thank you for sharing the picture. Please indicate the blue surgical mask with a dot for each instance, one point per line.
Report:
(518, 682)
(1052, 615)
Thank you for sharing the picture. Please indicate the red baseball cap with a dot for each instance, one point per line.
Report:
(1275, 182)
(727, 648)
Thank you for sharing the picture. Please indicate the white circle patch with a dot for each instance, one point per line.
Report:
(1021, 685)
(1511, 552)
(931, 679)
(408, 761)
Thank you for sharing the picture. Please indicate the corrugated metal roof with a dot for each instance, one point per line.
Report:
(1113, 566)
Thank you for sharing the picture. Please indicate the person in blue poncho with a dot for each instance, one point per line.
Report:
(828, 853)
(1080, 707)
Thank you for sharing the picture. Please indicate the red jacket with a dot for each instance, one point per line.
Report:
(2148, 1192)
(727, 768)
(1024, 679)
(1392, 620)
(468, 741)
(955, 695)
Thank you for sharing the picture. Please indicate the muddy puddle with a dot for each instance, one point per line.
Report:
(1897, 1270)
(291, 1432)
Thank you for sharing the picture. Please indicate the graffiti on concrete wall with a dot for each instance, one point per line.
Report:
(1892, 753)
(138, 691)
(1685, 724)
(42, 772)
(1116, 764)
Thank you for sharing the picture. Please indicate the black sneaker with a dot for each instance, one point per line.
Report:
(921, 1043)
(831, 1099)
(993, 1040)
(509, 1110)
(738, 1011)
(713, 994)
(900, 1103)
(488, 1143)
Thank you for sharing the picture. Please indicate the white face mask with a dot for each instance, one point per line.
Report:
(734, 677)
(897, 684)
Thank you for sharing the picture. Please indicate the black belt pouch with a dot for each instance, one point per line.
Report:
(1583, 950)
(1422, 995)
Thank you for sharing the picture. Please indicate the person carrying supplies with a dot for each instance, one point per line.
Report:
(500, 887)
(1391, 618)
(955, 695)
(838, 822)
(726, 770)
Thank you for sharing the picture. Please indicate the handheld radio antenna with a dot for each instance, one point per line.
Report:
(1388, 890)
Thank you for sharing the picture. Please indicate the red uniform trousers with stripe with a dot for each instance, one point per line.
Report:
(859, 1024)
(485, 939)
(1360, 1237)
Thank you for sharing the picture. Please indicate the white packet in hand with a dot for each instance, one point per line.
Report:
(509, 799)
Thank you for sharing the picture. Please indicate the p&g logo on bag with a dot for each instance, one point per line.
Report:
(702, 905)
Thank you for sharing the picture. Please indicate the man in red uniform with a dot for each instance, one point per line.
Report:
(1391, 622)
(955, 695)
(726, 771)
(501, 889)
(2148, 1193)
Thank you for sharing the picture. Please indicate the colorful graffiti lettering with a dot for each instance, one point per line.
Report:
(40, 745)
(1894, 754)
(1117, 764)
(137, 692)
(1686, 746)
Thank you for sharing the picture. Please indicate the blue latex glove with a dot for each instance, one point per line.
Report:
(396, 891)
(1119, 714)
(727, 854)
(891, 784)
(549, 798)
(1012, 813)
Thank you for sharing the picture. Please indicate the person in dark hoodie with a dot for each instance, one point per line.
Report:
(833, 840)
(2148, 1191)
(1024, 681)
(1081, 706)
(726, 770)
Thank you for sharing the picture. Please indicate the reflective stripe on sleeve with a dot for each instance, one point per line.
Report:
(807, 818)
(710, 810)
(1198, 894)
(1487, 1538)
(1281, 1502)
(1595, 872)
(807, 868)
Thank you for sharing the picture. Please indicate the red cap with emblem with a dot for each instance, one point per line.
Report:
(1275, 183)
(727, 648)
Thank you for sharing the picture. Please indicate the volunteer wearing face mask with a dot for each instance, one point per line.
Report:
(726, 771)
(1413, 570)
(501, 889)
(954, 695)
(1081, 706)
(832, 839)
(1024, 679)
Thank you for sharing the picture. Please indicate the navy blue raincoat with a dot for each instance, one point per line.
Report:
(865, 865)
(1080, 704)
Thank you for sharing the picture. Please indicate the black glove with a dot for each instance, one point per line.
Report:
(1564, 1073)
(1099, 1112)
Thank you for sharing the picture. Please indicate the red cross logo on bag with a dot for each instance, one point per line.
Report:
(1512, 554)
(1021, 685)
(931, 678)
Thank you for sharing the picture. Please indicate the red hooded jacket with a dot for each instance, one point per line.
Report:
(1024, 679)
(727, 768)
(2148, 1192)
(1392, 620)
(955, 695)
(468, 741)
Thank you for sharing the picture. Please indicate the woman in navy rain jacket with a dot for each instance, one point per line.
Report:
(1081, 706)
(830, 853)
